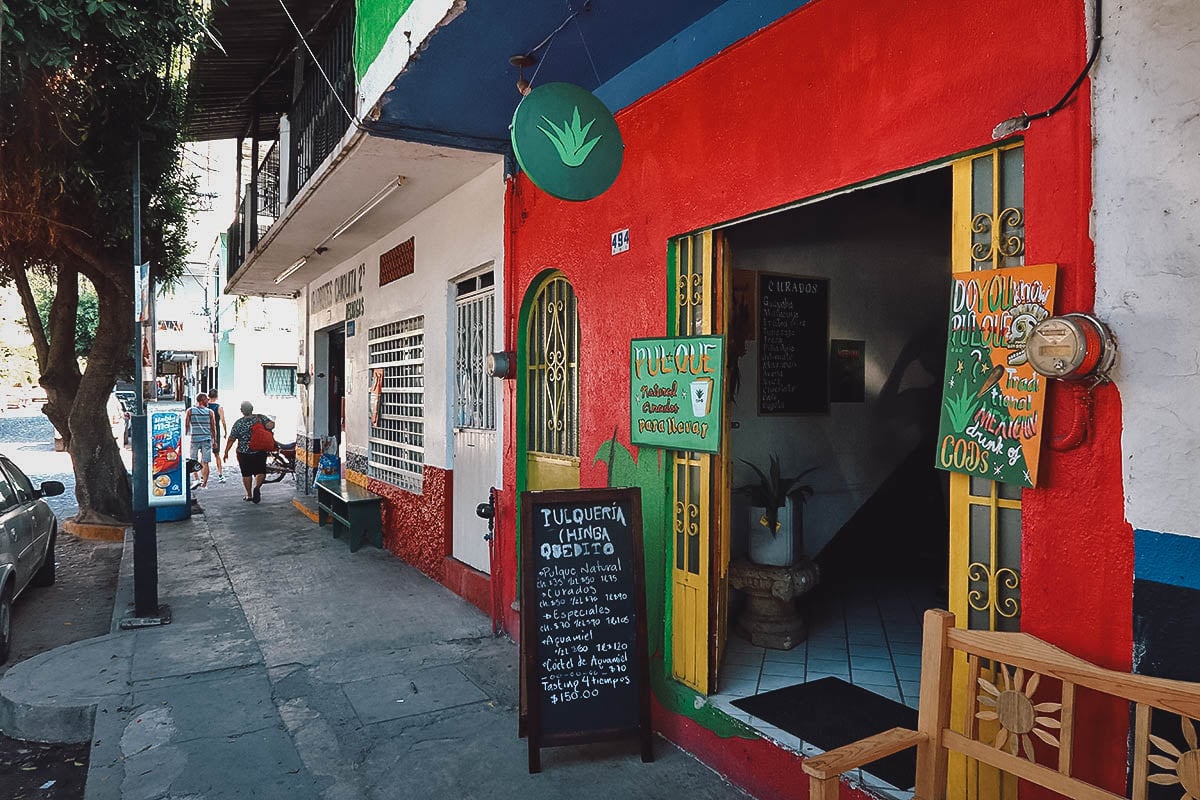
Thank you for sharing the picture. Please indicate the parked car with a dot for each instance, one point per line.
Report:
(28, 530)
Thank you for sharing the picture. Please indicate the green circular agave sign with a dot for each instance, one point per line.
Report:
(567, 141)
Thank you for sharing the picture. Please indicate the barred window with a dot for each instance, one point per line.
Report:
(397, 444)
(475, 393)
(279, 381)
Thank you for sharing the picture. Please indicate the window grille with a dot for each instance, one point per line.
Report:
(397, 443)
(475, 393)
(279, 381)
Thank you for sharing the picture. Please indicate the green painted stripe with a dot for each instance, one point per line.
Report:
(375, 21)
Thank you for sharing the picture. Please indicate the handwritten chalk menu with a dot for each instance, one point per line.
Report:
(583, 626)
(793, 344)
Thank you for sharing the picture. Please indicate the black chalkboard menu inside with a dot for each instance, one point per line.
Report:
(583, 626)
(793, 344)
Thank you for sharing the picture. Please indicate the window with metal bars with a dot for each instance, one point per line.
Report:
(279, 381)
(396, 452)
(475, 393)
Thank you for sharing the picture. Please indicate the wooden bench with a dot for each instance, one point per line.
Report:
(350, 508)
(1019, 718)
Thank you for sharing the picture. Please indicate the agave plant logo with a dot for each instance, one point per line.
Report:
(569, 140)
(566, 141)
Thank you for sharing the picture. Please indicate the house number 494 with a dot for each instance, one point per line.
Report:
(620, 241)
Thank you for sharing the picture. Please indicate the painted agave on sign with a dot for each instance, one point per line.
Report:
(569, 140)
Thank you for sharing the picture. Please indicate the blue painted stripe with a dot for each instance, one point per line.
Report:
(1166, 558)
(703, 39)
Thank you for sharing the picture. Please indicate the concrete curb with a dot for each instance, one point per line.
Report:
(26, 712)
(99, 533)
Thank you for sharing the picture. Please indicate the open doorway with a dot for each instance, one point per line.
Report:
(872, 354)
(329, 388)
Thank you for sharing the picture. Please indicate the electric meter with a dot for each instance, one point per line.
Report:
(1072, 347)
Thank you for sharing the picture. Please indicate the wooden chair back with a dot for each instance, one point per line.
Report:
(1020, 718)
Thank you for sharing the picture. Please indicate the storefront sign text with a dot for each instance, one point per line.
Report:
(341, 289)
(993, 402)
(676, 392)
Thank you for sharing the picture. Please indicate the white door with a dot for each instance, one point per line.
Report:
(475, 464)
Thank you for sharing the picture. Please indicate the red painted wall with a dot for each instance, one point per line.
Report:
(417, 527)
(840, 92)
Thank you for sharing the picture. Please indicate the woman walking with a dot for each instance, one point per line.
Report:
(252, 462)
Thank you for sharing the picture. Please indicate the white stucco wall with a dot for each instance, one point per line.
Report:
(454, 237)
(1147, 234)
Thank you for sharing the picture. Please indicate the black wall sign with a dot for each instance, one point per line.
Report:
(847, 370)
(793, 344)
(583, 619)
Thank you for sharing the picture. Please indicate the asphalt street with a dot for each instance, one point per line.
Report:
(77, 607)
(27, 438)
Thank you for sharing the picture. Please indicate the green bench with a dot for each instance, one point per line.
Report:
(350, 508)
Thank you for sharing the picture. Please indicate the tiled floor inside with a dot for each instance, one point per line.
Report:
(868, 634)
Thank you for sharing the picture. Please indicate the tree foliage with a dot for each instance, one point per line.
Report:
(82, 82)
(87, 318)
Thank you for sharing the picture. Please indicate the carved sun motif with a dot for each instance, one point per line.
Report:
(1014, 709)
(1184, 767)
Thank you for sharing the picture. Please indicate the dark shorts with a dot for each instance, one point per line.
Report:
(252, 463)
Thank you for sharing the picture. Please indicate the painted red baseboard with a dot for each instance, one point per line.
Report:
(468, 583)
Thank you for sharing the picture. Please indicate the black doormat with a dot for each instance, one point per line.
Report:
(830, 712)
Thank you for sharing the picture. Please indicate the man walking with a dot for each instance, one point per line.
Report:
(222, 430)
(201, 425)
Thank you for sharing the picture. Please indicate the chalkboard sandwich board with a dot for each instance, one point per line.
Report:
(793, 344)
(583, 619)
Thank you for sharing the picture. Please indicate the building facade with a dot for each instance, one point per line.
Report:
(874, 153)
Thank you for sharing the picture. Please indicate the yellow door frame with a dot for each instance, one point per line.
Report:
(699, 285)
(984, 582)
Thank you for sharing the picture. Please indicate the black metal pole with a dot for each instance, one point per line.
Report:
(145, 531)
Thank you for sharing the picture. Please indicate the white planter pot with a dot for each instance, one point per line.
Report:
(778, 550)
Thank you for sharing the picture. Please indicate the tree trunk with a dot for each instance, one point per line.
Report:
(55, 348)
(102, 484)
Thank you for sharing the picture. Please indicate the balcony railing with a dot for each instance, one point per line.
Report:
(250, 226)
(318, 115)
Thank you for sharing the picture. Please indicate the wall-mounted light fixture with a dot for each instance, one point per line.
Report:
(287, 273)
(502, 365)
(303, 378)
(366, 207)
(521, 61)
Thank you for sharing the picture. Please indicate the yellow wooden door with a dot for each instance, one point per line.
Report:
(985, 516)
(699, 482)
(552, 381)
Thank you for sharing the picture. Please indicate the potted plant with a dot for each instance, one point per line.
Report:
(776, 513)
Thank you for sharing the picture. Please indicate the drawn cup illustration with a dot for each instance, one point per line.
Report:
(701, 396)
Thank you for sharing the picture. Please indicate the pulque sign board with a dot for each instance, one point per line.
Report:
(993, 403)
(676, 392)
(793, 344)
(584, 658)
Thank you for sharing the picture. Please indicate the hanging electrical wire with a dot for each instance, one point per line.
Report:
(332, 89)
(1022, 121)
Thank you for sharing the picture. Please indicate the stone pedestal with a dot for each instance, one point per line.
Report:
(770, 618)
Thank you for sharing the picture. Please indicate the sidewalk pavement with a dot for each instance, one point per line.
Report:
(296, 669)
